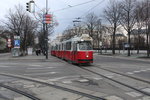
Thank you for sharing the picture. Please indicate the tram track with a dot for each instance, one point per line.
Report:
(133, 77)
(50, 85)
(119, 82)
(19, 92)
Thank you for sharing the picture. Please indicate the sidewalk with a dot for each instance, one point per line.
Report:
(27, 57)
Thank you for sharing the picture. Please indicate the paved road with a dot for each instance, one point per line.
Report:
(131, 66)
(61, 72)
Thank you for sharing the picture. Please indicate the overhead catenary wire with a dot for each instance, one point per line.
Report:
(70, 6)
(65, 3)
(87, 11)
(92, 8)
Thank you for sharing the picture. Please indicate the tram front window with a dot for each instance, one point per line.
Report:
(85, 46)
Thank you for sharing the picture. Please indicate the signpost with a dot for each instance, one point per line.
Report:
(15, 50)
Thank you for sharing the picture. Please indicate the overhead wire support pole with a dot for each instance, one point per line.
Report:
(46, 32)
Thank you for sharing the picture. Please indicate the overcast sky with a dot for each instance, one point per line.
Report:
(64, 17)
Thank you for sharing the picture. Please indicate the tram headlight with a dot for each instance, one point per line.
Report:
(87, 56)
(82, 40)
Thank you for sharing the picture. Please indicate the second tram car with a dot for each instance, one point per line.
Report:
(76, 50)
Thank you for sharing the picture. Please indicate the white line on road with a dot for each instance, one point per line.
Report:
(5, 66)
(67, 82)
(143, 70)
(129, 73)
(113, 98)
(42, 73)
(34, 65)
(134, 94)
(41, 68)
(64, 77)
(83, 80)
(136, 71)
(146, 90)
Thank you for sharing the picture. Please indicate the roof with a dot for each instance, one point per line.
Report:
(135, 31)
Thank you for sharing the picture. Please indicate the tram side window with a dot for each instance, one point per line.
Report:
(62, 46)
(56, 47)
(68, 46)
(74, 47)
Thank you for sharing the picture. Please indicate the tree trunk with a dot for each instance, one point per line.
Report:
(147, 40)
(114, 41)
(129, 42)
(138, 48)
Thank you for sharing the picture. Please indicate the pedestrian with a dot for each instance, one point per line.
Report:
(37, 53)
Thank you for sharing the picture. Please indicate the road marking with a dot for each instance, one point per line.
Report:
(34, 65)
(145, 98)
(136, 71)
(113, 98)
(67, 82)
(98, 78)
(146, 90)
(41, 68)
(42, 73)
(5, 66)
(143, 70)
(134, 94)
(109, 76)
(29, 86)
(64, 77)
(21, 98)
(129, 73)
(83, 80)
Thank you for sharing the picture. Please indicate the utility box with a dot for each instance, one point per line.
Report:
(15, 52)
(30, 51)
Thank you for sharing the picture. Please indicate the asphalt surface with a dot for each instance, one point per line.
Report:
(60, 72)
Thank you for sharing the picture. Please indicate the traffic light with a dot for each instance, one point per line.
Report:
(28, 7)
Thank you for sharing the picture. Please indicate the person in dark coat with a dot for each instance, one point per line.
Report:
(37, 52)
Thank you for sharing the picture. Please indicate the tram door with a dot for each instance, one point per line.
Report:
(74, 52)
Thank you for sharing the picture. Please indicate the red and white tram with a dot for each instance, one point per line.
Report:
(76, 50)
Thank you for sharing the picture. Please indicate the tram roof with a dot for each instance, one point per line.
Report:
(83, 37)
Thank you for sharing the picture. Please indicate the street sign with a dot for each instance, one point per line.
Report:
(9, 43)
(47, 18)
(16, 41)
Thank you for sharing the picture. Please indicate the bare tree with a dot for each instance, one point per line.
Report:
(98, 34)
(146, 11)
(112, 14)
(91, 21)
(128, 18)
(139, 15)
(20, 24)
